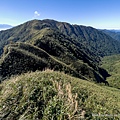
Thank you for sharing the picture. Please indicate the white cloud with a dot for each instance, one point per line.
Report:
(36, 14)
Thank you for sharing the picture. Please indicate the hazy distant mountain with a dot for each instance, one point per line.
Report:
(115, 34)
(5, 26)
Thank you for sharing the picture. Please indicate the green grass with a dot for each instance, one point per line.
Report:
(112, 65)
(53, 95)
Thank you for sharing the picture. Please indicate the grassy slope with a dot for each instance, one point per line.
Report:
(112, 65)
(46, 94)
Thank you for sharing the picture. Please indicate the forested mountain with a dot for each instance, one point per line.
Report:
(46, 44)
(93, 39)
(77, 48)
(115, 34)
(51, 49)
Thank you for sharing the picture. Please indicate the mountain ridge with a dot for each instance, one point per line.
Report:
(78, 48)
(90, 37)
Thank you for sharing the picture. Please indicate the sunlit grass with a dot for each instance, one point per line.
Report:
(24, 95)
(112, 65)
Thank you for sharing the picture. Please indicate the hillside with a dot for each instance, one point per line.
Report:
(54, 95)
(23, 57)
(74, 49)
(93, 39)
(112, 65)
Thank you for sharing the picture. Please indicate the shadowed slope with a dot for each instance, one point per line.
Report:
(22, 57)
(58, 41)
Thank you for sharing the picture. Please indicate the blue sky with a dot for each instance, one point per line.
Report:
(95, 13)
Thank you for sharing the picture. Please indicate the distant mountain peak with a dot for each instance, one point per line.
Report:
(5, 26)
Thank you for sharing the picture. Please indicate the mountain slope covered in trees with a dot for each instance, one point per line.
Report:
(51, 49)
(93, 39)
(55, 45)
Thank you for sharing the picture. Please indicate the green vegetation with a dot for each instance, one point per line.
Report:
(76, 50)
(53, 95)
(23, 57)
(92, 39)
(29, 91)
(20, 57)
(112, 65)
